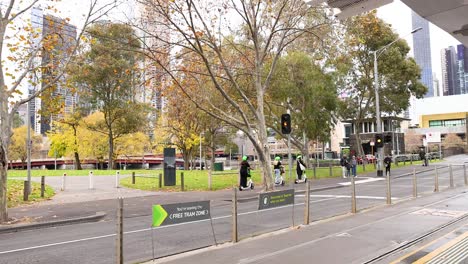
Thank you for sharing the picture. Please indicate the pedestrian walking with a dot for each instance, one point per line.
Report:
(244, 172)
(388, 163)
(343, 162)
(348, 167)
(278, 167)
(300, 167)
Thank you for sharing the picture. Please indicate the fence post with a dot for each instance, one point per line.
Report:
(133, 177)
(182, 181)
(160, 180)
(91, 180)
(353, 195)
(464, 174)
(307, 204)
(119, 238)
(436, 180)
(331, 170)
(25, 191)
(117, 179)
(451, 176)
(42, 186)
(235, 238)
(64, 177)
(415, 184)
(389, 190)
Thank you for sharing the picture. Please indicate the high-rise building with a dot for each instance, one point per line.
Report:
(449, 71)
(156, 37)
(60, 36)
(422, 51)
(462, 68)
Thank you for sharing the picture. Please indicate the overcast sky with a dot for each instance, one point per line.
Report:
(399, 16)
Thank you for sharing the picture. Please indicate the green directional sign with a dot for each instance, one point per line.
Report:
(159, 215)
(170, 214)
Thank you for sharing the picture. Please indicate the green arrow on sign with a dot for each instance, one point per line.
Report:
(159, 215)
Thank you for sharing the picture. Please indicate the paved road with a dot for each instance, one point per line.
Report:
(95, 242)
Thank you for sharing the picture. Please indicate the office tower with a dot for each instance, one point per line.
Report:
(462, 69)
(61, 36)
(449, 71)
(422, 51)
(156, 38)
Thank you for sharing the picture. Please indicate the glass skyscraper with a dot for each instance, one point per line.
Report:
(422, 51)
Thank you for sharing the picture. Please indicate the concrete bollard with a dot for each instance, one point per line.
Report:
(160, 180)
(117, 179)
(42, 186)
(315, 171)
(436, 180)
(415, 184)
(91, 180)
(64, 178)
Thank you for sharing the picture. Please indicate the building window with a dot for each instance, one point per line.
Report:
(447, 123)
(348, 131)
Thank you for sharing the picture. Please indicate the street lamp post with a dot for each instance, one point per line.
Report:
(377, 53)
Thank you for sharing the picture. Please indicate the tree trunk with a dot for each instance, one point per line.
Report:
(186, 158)
(111, 151)
(77, 156)
(359, 149)
(77, 161)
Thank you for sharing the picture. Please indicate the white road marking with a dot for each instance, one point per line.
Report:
(347, 196)
(362, 181)
(152, 228)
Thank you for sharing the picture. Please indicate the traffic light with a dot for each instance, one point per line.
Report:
(379, 141)
(286, 124)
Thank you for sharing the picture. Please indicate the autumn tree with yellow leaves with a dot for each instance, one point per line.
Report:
(20, 46)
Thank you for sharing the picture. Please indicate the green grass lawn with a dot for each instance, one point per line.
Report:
(15, 193)
(195, 179)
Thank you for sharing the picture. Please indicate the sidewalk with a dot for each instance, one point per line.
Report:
(361, 238)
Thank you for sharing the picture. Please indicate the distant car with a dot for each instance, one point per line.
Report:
(370, 158)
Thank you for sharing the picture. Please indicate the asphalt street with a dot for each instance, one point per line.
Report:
(95, 242)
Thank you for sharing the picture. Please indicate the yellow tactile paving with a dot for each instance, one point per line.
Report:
(435, 252)
(441, 249)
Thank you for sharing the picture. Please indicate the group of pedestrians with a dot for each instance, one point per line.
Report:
(349, 166)
(278, 169)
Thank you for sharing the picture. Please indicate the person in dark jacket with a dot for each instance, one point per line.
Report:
(300, 167)
(388, 163)
(244, 172)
